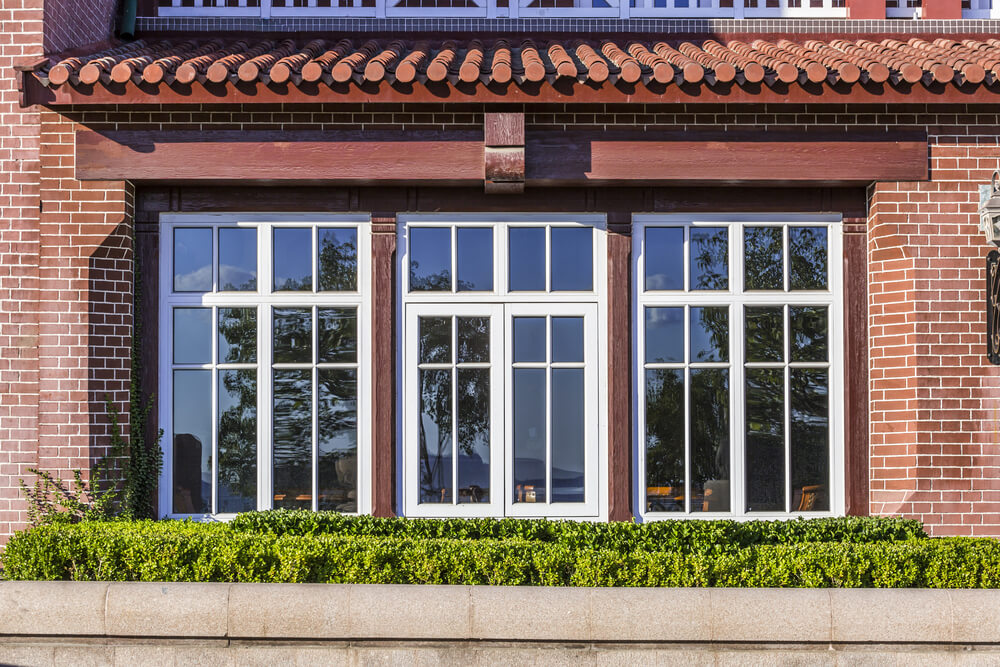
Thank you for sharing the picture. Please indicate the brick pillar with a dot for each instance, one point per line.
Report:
(935, 400)
(866, 10)
(941, 9)
(85, 304)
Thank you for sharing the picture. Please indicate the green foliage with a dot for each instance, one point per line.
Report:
(187, 551)
(688, 536)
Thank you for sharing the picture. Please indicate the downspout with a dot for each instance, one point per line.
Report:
(128, 11)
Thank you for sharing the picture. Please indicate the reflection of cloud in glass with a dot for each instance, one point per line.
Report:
(659, 281)
(237, 278)
(198, 280)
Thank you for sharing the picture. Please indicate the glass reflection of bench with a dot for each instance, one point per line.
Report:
(671, 499)
(526, 493)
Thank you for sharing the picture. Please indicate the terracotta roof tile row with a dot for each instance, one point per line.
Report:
(501, 61)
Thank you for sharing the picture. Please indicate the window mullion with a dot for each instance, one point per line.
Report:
(737, 381)
(788, 407)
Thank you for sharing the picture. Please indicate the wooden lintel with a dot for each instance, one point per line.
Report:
(459, 158)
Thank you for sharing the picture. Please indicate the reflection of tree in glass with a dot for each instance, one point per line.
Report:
(709, 425)
(238, 443)
(472, 400)
(436, 282)
(714, 321)
(810, 433)
(807, 257)
(762, 258)
(338, 261)
(338, 425)
(665, 428)
(710, 254)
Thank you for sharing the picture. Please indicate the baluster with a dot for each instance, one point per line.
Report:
(265, 9)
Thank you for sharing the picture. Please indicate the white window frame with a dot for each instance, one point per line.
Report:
(590, 304)
(736, 299)
(264, 300)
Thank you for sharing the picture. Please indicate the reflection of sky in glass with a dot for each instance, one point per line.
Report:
(529, 339)
(293, 259)
(663, 255)
(527, 259)
(709, 334)
(192, 424)
(435, 436)
(192, 259)
(529, 429)
(567, 435)
(572, 259)
(473, 401)
(567, 339)
(192, 335)
(238, 259)
(475, 259)
(338, 409)
(430, 258)
(664, 335)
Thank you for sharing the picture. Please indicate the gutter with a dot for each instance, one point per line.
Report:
(126, 30)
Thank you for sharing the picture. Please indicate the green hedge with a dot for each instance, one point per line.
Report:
(176, 551)
(712, 536)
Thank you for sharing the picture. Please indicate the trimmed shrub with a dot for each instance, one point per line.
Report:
(699, 536)
(186, 551)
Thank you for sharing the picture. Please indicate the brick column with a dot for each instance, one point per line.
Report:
(383, 364)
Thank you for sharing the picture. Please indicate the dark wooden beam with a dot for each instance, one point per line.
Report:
(856, 443)
(383, 364)
(619, 384)
(457, 158)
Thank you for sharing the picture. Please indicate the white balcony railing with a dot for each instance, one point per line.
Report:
(738, 9)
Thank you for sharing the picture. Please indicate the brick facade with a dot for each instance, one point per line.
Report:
(934, 424)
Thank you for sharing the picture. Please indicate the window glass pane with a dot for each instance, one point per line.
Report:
(807, 254)
(473, 340)
(529, 435)
(475, 259)
(709, 440)
(192, 417)
(529, 339)
(663, 256)
(572, 259)
(567, 339)
(338, 259)
(710, 334)
(810, 436)
(765, 334)
(337, 335)
(237, 335)
(430, 259)
(192, 259)
(665, 440)
(292, 335)
(568, 440)
(473, 435)
(435, 340)
(765, 440)
(527, 259)
(664, 335)
(292, 263)
(292, 439)
(435, 437)
(237, 487)
(709, 258)
(762, 258)
(337, 439)
(808, 333)
(192, 335)
(238, 259)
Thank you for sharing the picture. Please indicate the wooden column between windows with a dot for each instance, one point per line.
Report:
(856, 449)
(866, 10)
(619, 241)
(383, 364)
(941, 9)
(503, 153)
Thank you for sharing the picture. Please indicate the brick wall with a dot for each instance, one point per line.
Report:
(934, 400)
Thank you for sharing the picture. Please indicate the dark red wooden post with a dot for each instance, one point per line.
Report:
(619, 367)
(870, 10)
(383, 364)
(941, 9)
(856, 366)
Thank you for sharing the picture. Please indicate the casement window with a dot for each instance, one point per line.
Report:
(738, 353)
(263, 348)
(502, 364)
